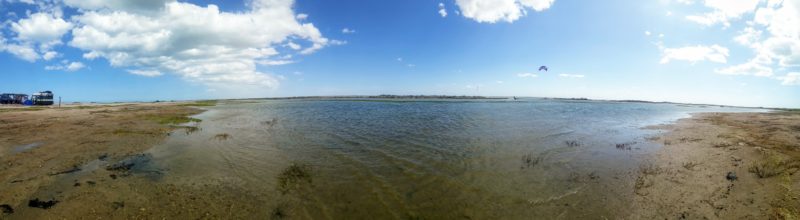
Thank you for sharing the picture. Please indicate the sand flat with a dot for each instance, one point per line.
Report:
(723, 166)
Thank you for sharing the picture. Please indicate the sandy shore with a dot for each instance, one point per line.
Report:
(723, 166)
(72, 163)
(44, 152)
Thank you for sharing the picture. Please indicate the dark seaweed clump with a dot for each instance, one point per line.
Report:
(293, 177)
(6, 209)
(36, 203)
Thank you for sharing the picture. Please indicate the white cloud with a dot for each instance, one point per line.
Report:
(301, 16)
(499, 82)
(69, 67)
(49, 55)
(140, 6)
(724, 11)
(527, 75)
(348, 31)
(442, 10)
(491, 11)
(571, 75)
(146, 73)
(714, 53)
(752, 67)
(774, 37)
(791, 79)
(41, 28)
(647, 33)
(200, 44)
(23, 52)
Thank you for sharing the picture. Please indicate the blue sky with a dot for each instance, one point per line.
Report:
(737, 52)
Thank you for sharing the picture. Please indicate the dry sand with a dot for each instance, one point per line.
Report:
(689, 177)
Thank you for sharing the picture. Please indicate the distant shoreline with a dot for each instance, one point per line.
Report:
(424, 97)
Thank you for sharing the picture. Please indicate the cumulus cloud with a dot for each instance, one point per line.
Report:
(527, 75)
(442, 10)
(67, 66)
(713, 53)
(201, 44)
(492, 11)
(791, 79)
(348, 31)
(41, 28)
(724, 11)
(154, 37)
(40, 31)
(147, 73)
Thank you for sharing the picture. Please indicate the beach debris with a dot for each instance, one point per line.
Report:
(91, 183)
(72, 170)
(572, 143)
(36, 203)
(222, 137)
(103, 157)
(113, 176)
(690, 165)
(6, 209)
(731, 176)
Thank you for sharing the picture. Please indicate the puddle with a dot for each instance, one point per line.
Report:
(27, 147)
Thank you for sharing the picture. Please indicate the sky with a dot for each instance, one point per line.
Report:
(731, 52)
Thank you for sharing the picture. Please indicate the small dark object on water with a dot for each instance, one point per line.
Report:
(36, 203)
(222, 137)
(625, 146)
(572, 143)
(6, 209)
(731, 176)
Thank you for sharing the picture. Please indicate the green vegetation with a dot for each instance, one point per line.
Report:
(774, 165)
(690, 165)
(204, 103)
(293, 177)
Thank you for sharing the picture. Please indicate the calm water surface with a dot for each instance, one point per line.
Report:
(434, 159)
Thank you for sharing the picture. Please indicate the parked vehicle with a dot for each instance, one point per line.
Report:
(9, 98)
(42, 98)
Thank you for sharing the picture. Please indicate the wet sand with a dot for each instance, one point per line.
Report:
(82, 163)
(723, 166)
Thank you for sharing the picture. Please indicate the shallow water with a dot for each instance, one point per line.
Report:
(422, 159)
